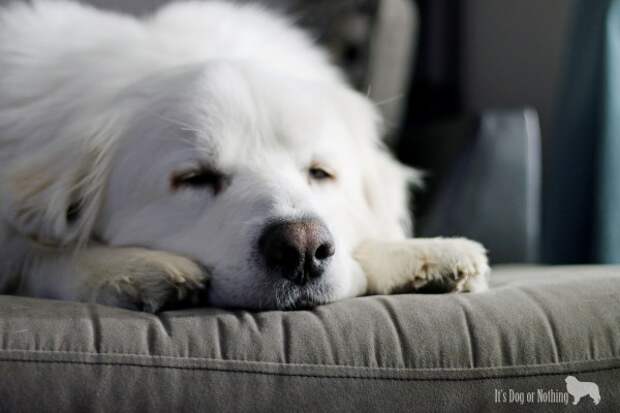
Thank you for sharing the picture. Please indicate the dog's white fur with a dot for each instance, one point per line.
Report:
(98, 110)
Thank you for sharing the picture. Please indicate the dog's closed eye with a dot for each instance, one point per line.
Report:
(320, 173)
(199, 178)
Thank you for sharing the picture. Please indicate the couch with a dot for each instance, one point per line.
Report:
(418, 353)
(510, 349)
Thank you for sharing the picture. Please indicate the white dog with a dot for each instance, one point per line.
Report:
(579, 389)
(217, 133)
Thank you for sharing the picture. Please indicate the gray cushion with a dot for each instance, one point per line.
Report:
(388, 353)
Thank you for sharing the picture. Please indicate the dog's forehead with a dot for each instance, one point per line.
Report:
(243, 111)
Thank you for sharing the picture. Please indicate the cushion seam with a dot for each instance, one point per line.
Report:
(327, 376)
(275, 363)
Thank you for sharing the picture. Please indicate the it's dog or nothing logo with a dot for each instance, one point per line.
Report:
(576, 391)
(579, 389)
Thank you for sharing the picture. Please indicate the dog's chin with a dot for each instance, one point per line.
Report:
(279, 294)
(290, 296)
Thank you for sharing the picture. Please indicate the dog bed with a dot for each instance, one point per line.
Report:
(456, 352)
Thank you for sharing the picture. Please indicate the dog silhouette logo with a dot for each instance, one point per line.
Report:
(579, 389)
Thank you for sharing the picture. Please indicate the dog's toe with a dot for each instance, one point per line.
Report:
(154, 283)
(152, 295)
(457, 265)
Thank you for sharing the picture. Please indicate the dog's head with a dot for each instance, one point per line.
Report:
(268, 181)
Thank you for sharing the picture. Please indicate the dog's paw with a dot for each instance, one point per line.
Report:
(148, 281)
(451, 265)
(424, 265)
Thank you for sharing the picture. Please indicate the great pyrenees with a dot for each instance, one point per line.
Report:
(210, 152)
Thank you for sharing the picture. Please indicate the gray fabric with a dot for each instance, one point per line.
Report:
(490, 189)
(384, 353)
(391, 61)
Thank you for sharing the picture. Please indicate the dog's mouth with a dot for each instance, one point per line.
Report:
(287, 295)
(266, 291)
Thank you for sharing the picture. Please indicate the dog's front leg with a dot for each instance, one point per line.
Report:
(133, 278)
(424, 265)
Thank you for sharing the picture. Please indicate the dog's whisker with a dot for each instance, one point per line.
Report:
(389, 100)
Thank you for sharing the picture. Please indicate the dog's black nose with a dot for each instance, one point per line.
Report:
(298, 250)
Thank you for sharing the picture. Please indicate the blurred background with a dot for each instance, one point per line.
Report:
(512, 109)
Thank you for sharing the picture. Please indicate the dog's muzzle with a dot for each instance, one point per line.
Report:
(297, 250)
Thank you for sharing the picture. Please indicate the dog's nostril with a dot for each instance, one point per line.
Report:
(296, 250)
(324, 251)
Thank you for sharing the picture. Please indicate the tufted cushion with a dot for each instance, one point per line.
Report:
(388, 353)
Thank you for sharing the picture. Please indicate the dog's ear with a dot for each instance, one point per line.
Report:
(53, 195)
(54, 130)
